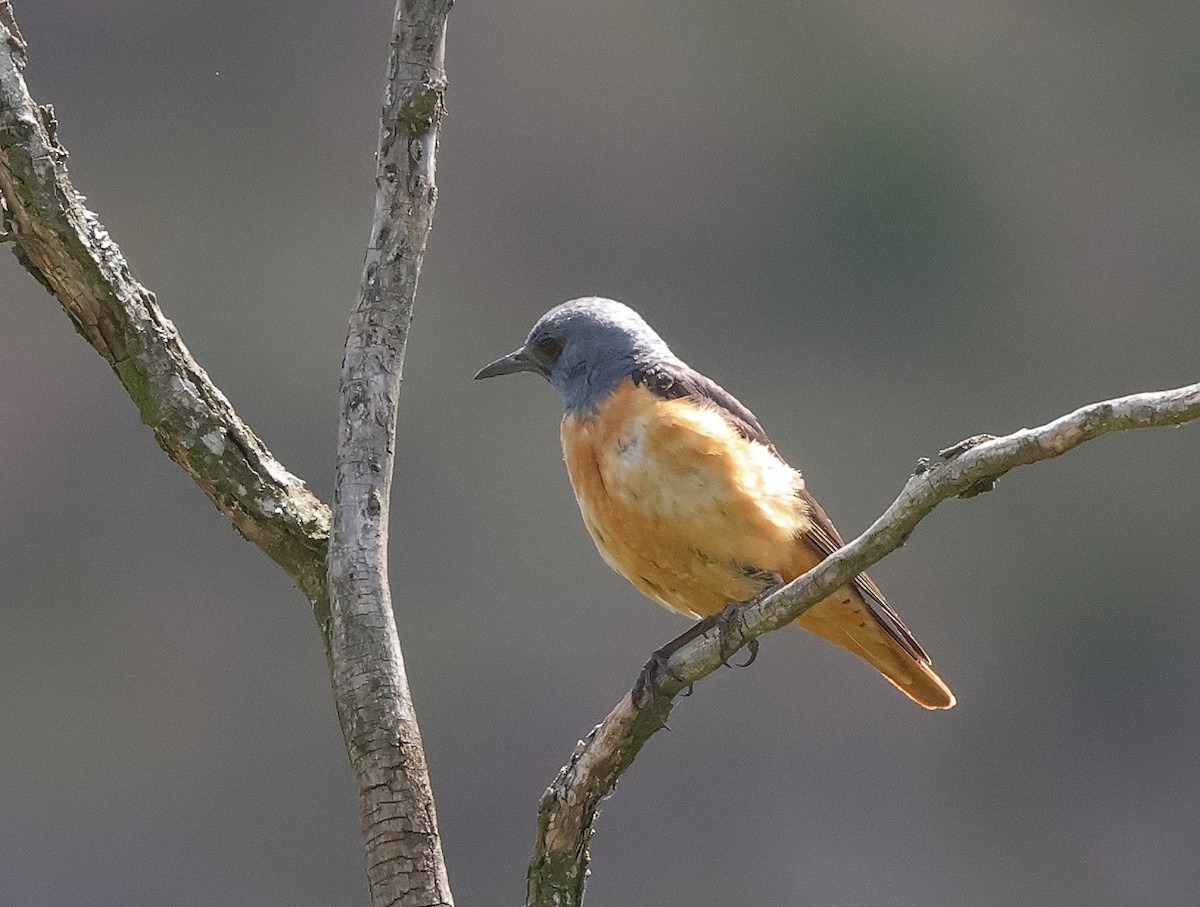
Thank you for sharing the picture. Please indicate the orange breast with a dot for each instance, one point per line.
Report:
(678, 502)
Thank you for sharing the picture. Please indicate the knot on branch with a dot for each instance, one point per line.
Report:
(964, 445)
(983, 485)
(424, 109)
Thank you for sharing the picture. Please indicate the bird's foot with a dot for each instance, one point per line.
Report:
(728, 623)
(751, 654)
(649, 685)
(649, 682)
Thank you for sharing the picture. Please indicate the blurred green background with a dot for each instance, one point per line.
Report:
(884, 226)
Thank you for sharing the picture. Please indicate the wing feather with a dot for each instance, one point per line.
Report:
(672, 381)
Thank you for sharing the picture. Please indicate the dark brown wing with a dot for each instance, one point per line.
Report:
(824, 537)
(673, 381)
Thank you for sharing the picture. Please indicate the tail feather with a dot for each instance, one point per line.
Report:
(845, 620)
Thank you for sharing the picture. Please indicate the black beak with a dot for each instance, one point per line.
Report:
(516, 361)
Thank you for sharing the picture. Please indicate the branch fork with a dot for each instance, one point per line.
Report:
(65, 248)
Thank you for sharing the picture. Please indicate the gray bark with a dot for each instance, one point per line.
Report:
(64, 246)
(379, 723)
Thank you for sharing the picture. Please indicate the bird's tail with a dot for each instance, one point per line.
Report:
(845, 620)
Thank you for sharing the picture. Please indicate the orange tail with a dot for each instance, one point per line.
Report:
(845, 620)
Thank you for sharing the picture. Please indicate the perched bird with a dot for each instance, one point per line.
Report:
(684, 494)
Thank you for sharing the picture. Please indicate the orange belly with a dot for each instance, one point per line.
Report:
(696, 517)
(680, 504)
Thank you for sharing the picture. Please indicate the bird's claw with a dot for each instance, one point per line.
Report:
(752, 650)
(648, 686)
(726, 624)
(730, 619)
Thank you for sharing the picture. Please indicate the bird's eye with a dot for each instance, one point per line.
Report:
(550, 347)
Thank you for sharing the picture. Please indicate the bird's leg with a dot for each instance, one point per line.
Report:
(648, 684)
(726, 621)
(652, 672)
(649, 680)
(732, 612)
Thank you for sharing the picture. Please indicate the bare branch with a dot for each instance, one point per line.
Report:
(567, 812)
(64, 246)
(404, 854)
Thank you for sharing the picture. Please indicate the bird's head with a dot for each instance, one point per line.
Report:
(585, 348)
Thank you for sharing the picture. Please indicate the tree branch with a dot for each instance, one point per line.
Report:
(404, 854)
(567, 811)
(64, 246)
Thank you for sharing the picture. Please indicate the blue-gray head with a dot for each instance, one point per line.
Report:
(585, 348)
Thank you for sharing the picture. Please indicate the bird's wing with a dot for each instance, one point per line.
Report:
(823, 536)
(673, 381)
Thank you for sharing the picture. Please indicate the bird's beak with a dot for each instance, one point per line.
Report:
(516, 361)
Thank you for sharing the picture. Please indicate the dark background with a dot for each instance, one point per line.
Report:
(884, 226)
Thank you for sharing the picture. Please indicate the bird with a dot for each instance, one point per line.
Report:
(685, 495)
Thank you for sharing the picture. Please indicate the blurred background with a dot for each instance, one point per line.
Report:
(884, 226)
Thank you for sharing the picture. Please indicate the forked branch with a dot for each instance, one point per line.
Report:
(64, 246)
